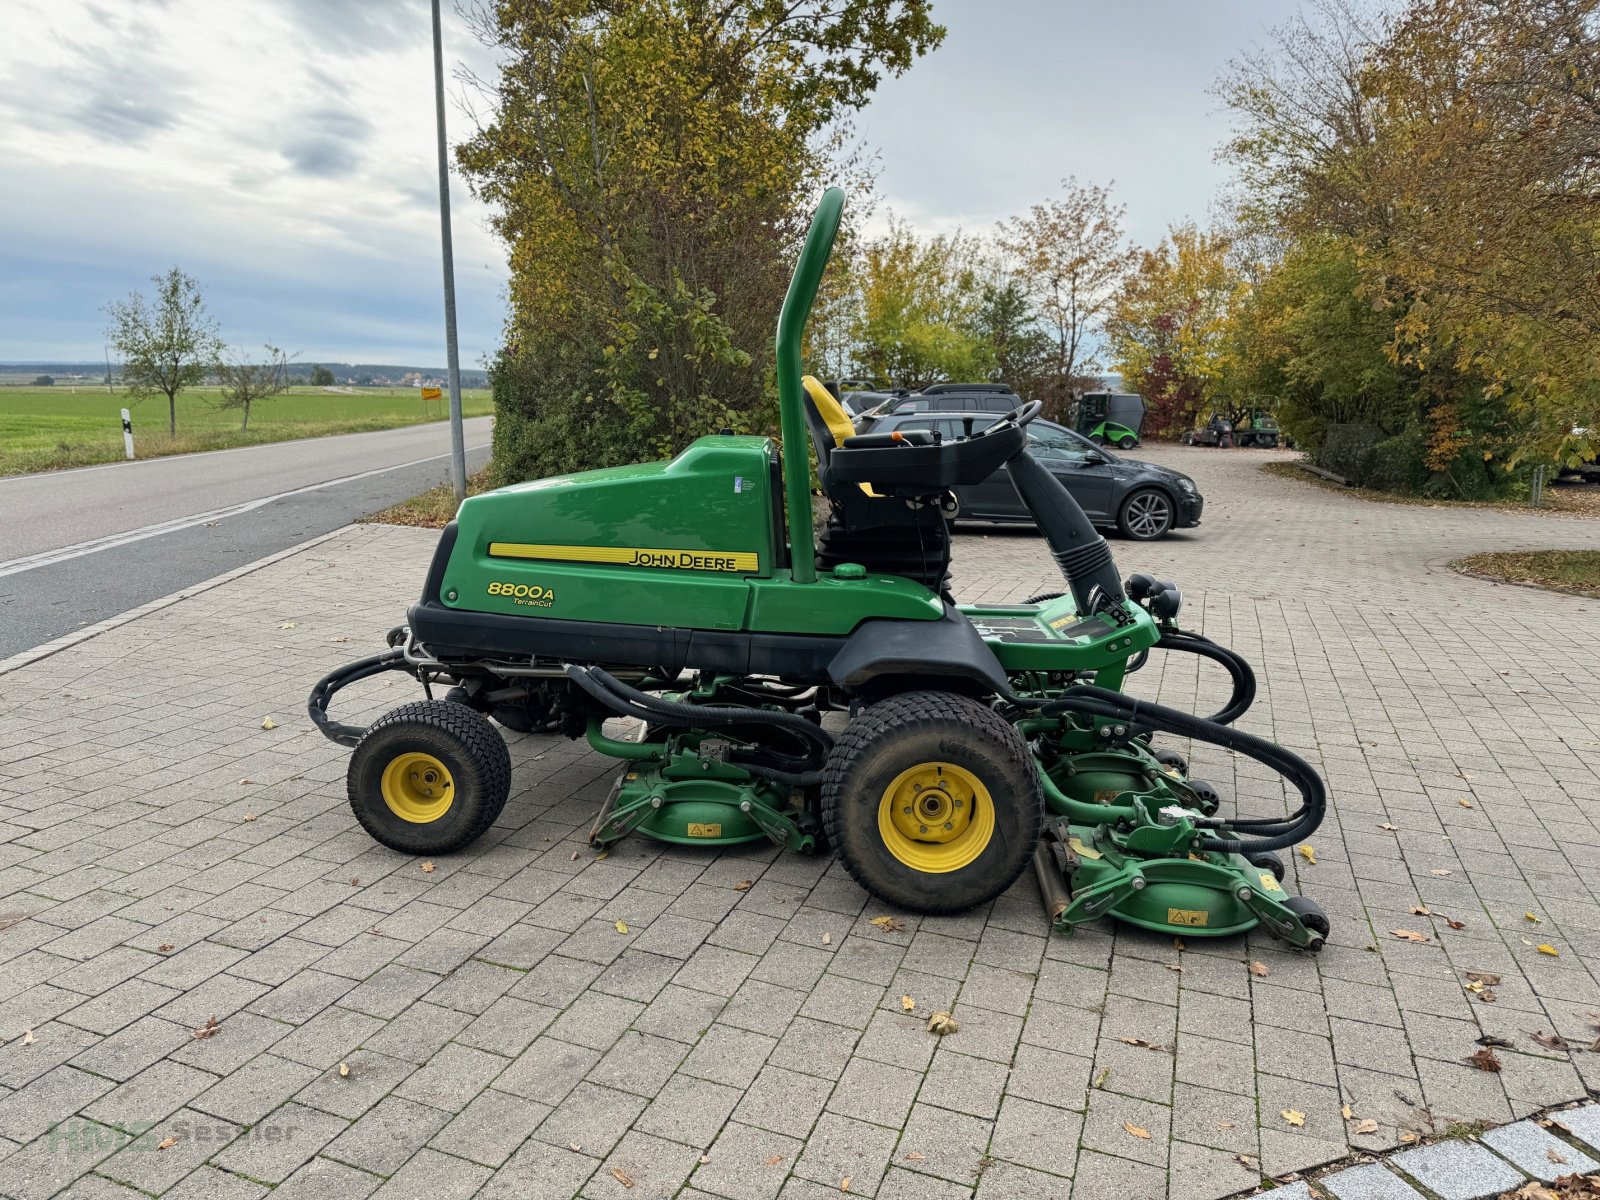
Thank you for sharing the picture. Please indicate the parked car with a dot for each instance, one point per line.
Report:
(1140, 499)
(994, 398)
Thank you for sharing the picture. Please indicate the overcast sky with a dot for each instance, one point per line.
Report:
(281, 151)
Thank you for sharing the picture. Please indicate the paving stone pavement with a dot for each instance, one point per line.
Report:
(165, 860)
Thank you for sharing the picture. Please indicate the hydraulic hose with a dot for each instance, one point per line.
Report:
(1244, 679)
(1270, 834)
(630, 702)
(322, 693)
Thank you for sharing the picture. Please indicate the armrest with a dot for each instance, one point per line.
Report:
(872, 441)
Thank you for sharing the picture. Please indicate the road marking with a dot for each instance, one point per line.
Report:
(47, 558)
(168, 458)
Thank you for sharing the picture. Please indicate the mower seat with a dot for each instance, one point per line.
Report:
(830, 426)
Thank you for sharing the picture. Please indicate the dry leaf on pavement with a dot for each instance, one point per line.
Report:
(1348, 1112)
(344, 1070)
(1546, 948)
(1307, 852)
(1260, 970)
(1551, 1041)
(1294, 1116)
(622, 1177)
(1136, 1130)
(907, 1003)
(1100, 1079)
(1367, 1125)
(888, 924)
(1464, 802)
(210, 1029)
(844, 1184)
(426, 868)
(1410, 935)
(942, 1023)
(827, 939)
(1389, 827)
(622, 927)
(250, 816)
(1485, 1060)
(1484, 977)
(27, 1037)
(165, 948)
(775, 1160)
(1531, 917)
(166, 1143)
(914, 1156)
(1441, 872)
(744, 885)
(268, 723)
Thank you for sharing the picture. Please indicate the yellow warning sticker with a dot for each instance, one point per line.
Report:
(1270, 882)
(1191, 917)
(704, 829)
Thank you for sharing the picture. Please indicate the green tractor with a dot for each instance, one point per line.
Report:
(1258, 428)
(822, 690)
(1111, 418)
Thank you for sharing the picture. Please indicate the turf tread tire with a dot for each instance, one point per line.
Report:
(464, 741)
(912, 715)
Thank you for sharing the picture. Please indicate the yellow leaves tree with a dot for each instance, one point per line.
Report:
(1168, 331)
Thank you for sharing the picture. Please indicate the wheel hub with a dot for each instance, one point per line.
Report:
(936, 817)
(417, 787)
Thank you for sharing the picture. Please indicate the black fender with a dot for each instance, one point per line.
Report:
(886, 654)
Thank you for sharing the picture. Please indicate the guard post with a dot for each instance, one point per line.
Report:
(127, 433)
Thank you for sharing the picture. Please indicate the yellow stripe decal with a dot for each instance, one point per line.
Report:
(634, 556)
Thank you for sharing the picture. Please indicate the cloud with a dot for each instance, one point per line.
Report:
(328, 142)
(359, 26)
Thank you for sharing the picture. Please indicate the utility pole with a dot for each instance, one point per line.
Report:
(458, 451)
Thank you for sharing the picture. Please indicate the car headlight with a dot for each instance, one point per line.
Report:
(1186, 485)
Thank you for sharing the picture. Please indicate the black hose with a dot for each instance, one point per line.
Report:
(1278, 833)
(322, 693)
(630, 702)
(1244, 679)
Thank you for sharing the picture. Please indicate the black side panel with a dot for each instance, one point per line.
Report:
(452, 634)
(441, 560)
(950, 648)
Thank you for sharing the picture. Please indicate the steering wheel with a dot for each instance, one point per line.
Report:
(1014, 419)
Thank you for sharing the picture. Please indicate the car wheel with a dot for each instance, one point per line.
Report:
(950, 506)
(1097, 439)
(1146, 515)
(1127, 443)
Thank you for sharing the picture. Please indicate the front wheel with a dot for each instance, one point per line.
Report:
(429, 777)
(1146, 515)
(1127, 443)
(932, 802)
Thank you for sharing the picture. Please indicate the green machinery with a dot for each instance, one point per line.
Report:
(1111, 418)
(1258, 428)
(820, 688)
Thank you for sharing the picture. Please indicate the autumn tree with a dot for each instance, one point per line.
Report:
(652, 164)
(1072, 256)
(248, 380)
(167, 343)
(1168, 328)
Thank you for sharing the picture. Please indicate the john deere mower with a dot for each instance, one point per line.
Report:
(821, 689)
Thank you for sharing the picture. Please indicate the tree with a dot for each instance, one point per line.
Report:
(166, 344)
(1020, 350)
(1168, 330)
(920, 307)
(1073, 256)
(651, 164)
(44, 380)
(322, 377)
(245, 381)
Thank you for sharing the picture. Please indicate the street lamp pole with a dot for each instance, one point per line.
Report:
(458, 452)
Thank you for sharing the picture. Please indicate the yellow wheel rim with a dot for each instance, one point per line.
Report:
(936, 817)
(418, 788)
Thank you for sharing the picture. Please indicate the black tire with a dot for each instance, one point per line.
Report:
(476, 776)
(1097, 439)
(1127, 443)
(1268, 861)
(1146, 515)
(932, 731)
(1312, 917)
(1172, 758)
(460, 695)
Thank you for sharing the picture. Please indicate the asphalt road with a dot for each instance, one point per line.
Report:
(79, 546)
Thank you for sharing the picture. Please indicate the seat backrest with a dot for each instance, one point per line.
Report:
(827, 422)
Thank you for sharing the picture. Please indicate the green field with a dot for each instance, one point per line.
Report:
(48, 428)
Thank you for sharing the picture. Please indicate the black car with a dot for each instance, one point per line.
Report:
(1142, 500)
(941, 397)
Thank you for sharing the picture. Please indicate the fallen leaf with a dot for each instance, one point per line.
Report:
(1547, 948)
(1485, 1060)
(1307, 852)
(704, 1159)
(1474, 986)
(1100, 1079)
(622, 927)
(622, 1177)
(1555, 1155)
(942, 1023)
(1177, 943)
(888, 924)
(1294, 1116)
(602, 856)
(1464, 802)
(1260, 970)
(210, 1029)
(1487, 977)
(1487, 996)
(1551, 1041)
(1173, 967)
(844, 1184)
(250, 816)
(247, 783)
(290, 625)
(166, 1143)
(344, 1070)
(268, 723)
(744, 885)
(164, 948)
(1225, 1125)
(1368, 1125)
(1454, 924)
(1410, 935)
(426, 868)
(1530, 917)
(1245, 1161)
(27, 1037)
(1136, 1130)
(574, 1147)
(916, 1157)
(907, 1003)
(1441, 872)
(775, 1160)
(827, 939)
(1348, 1112)
(574, 856)
(339, 640)
(355, 881)
(1421, 910)
(1410, 1136)
(1389, 827)
(1490, 1040)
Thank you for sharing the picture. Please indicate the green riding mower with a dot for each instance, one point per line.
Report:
(821, 689)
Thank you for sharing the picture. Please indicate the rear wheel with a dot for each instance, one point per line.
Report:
(932, 802)
(1145, 515)
(1312, 917)
(1127, 442)
(429, 777)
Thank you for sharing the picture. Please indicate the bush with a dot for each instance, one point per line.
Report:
(1348, 450)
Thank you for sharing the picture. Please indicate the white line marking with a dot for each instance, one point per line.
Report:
(47, 558)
